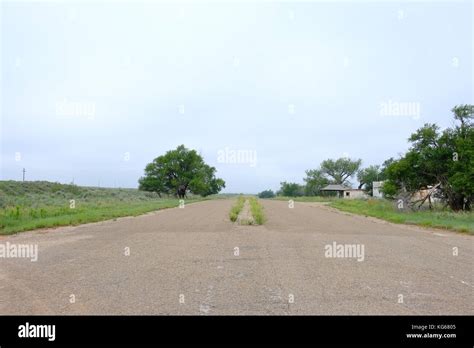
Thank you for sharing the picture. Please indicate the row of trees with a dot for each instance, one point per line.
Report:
(441, 162)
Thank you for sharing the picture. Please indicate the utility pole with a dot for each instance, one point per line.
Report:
(24, 171)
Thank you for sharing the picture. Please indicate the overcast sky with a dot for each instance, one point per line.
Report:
(93, 91)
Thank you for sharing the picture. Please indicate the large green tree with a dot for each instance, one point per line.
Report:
(330, 172)
(444, 160)
(315, 181)
(178, 172)
(340, 170)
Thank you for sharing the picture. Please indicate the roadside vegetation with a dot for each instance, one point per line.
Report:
(236, 208)
(39, 204)
(383, 209)
(437, 217)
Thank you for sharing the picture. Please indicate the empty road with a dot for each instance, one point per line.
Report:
(195, 261)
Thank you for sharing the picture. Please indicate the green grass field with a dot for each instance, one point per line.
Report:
(386, 210)
(38, 204)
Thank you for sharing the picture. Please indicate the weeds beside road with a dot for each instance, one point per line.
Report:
(386, 210)
(31, 205)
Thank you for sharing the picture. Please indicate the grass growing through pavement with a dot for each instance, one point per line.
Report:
(383, 209)
(31, 205)
(236, 208)
(257, 211)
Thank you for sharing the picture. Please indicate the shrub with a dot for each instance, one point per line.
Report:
(266, 194)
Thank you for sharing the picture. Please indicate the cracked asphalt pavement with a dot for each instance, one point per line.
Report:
(194, 261)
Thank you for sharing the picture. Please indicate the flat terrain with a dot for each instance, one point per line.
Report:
(191, 252)
(30, 205)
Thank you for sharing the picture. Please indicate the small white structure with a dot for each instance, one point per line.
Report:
(377, 189)
(354, 194)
